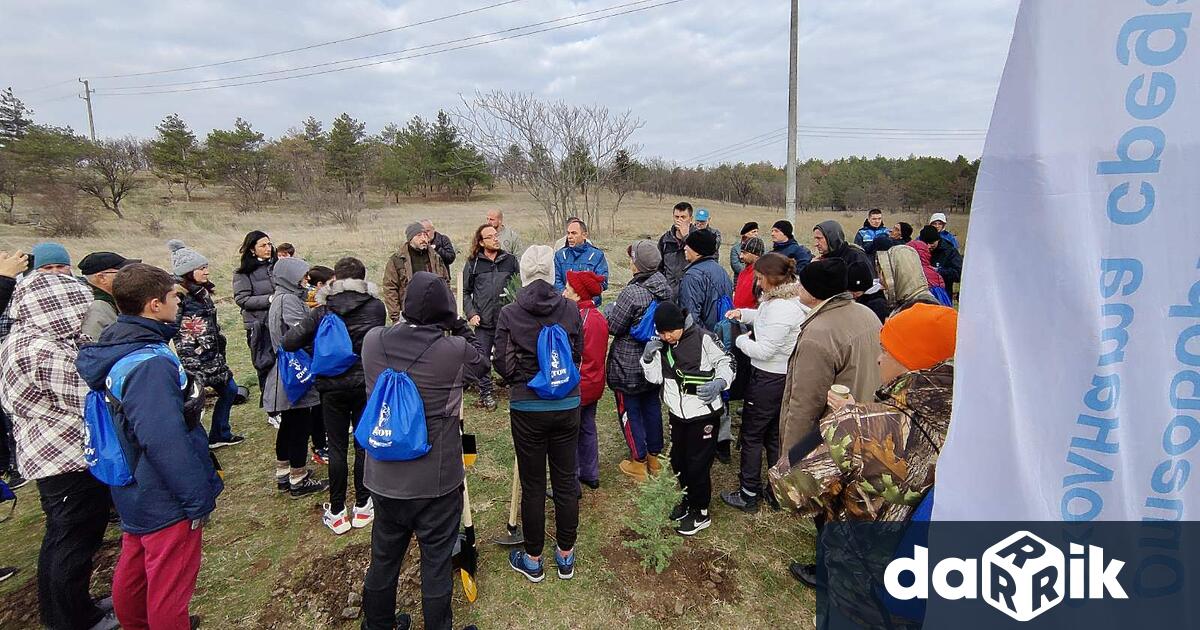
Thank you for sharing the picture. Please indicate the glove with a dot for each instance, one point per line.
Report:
(711, 390)
(652, 347)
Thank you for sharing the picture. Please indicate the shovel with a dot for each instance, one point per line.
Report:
(514, 536)
(465, 557)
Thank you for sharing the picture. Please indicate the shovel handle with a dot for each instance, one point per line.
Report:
(466, 517)
(515, 500)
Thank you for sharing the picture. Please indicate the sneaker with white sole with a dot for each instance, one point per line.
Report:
(521, 563)
(337, 523)
(306, 486)
(693, 523)
(566, 566)
(364, 515)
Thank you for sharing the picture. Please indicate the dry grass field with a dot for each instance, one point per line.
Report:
(268, 561)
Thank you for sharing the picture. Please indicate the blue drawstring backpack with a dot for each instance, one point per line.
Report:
(392, 427)
(724, 305)
(644, 330)
(295, 373)
(333, 352)
(557, 374)
(103, 444)
(942, 295)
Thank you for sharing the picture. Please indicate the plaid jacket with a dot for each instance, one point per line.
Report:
(40, 386)
(624, 370)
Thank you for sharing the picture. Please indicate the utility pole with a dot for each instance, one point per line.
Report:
(87, 96)
(793, 71)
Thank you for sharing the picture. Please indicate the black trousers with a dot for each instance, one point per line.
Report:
(435, 523)
(487, 341)
(760, 426)
(291, 441)
(539, 436)
(693, 448)
(76, 505)
(342, 410)
(8, 447)
(319, 439)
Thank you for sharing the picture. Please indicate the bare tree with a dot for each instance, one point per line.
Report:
(62, 214)
(110, 172)
(569, 149)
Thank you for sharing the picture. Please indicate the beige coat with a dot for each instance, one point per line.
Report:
(839, 344)
(399, 273)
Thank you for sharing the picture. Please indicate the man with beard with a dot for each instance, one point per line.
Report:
(414, 256)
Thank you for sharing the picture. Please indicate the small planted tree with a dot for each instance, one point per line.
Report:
(656, 541)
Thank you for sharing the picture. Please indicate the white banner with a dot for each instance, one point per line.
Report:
(1077, 393)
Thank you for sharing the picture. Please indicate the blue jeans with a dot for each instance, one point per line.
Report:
(641, 422)
(221, 430)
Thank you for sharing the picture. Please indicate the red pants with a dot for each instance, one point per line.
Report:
(155, 578)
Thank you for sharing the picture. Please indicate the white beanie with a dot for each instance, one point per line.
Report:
(184, 260)
(537, 263)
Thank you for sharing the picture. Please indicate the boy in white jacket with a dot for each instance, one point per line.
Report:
(693, 369)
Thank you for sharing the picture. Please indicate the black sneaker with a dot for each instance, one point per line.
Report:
(7, 572)
(679, 512)
(488, 401)
(723, 451)
(805, 574)
(281, 482)
(15, 480)
(740, 500)
(692, 524)
(772, 502)
(231, 441)
(594, 484)
(306, 486)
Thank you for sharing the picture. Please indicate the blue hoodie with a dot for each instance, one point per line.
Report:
(174, 478)
(585, 257)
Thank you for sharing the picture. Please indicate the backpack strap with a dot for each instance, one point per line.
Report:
(414, 361)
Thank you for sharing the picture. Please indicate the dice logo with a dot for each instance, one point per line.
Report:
(1023, 576)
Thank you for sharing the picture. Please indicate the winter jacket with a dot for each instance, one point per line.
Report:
(776, 323)
(698, 353)
(287, 310)
(838, 345)
(704, 284)
(595, 349)
(926, 256)
(173, 476)
(444, 248)
(40, 386)
(674, 262)
(946, 235)
(101, 314)
(7, 286)
(438, 364)
(735, 259)
(510, 241)
(199, 342)
(517, 329)
(488, 285)
(357, 303)
(585, 257)
(948, 263)
(869, 238)
(835, 240)
(252, 292)
(743, 290)
(795, 251)
(902, 278)
(877, 302)
(399, 272)
(625, 354)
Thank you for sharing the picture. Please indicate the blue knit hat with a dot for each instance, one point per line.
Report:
(49, 253)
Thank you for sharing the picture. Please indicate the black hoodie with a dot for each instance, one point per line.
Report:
(538, 304)
(438, 364)
(356, 302)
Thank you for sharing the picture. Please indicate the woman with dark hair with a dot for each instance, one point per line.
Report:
(777, 322)
(253, 287)
(491, 278)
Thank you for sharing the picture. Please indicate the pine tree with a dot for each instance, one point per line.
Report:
(175, 155)
(236, 156)
(444, 150)
(313, 133)
(346, 153)
(15, 118)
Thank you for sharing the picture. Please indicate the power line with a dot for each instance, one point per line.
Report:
(403, 58)
(310, 46)
(373, 56)
(46, 87)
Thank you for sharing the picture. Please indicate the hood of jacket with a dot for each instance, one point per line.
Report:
(656, 283)
(903, 277)
(288, 273)
(782, 292)
(344, 296)
(834, 235)
(130, 333)
(428, 301)
(51, 304)
(539, 298)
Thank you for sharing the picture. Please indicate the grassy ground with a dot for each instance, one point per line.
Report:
(268, 561)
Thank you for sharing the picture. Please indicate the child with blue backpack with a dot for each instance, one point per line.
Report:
(165, 484)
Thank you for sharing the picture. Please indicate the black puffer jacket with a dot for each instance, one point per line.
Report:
(252, 291)
(358, 304)
(485, 282)
(517, 330)
(199, 342)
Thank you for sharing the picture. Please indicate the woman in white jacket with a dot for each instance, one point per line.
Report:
(776, 323)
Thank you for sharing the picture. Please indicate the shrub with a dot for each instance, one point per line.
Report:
(63, 214)
(651, 521)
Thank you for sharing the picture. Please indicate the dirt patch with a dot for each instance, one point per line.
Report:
(326, 586)
(696, 579)
(19, 608)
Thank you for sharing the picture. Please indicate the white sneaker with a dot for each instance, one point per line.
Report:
(337, 523)
(273, 420)
(364, 515)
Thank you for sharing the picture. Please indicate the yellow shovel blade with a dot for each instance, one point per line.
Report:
(470, 588)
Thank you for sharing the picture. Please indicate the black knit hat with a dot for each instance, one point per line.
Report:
(825, 278)
(906, 230)
(858, 276)
(930, 234)
(669, 317)
(785, 227)
(749, 227)
(703, 242)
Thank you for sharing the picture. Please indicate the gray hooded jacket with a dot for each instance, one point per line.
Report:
(287, 310)
(839, 248)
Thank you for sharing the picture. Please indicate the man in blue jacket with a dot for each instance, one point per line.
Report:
(784, 242)
(873, 233)
(175, 484)
(579, 255)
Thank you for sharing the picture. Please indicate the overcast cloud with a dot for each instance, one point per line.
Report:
(701, 74)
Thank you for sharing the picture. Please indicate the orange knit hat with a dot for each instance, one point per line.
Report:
(922, 336)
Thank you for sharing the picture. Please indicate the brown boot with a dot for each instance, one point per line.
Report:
(653, 464)
(634, 468)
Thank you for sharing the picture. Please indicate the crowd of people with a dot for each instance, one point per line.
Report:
(788, 344)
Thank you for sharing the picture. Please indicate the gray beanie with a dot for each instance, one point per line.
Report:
(645, 255)
(412, 231)
(537, 264)
(754, 246)
(184, 259)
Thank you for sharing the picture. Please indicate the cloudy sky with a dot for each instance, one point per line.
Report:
(707, 77)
